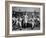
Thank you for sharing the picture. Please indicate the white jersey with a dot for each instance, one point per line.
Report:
(17, 21)
(25, 18)
(13, 18)
(33, 22)
(20, 20)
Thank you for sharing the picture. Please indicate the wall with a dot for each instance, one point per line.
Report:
(2, 19)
